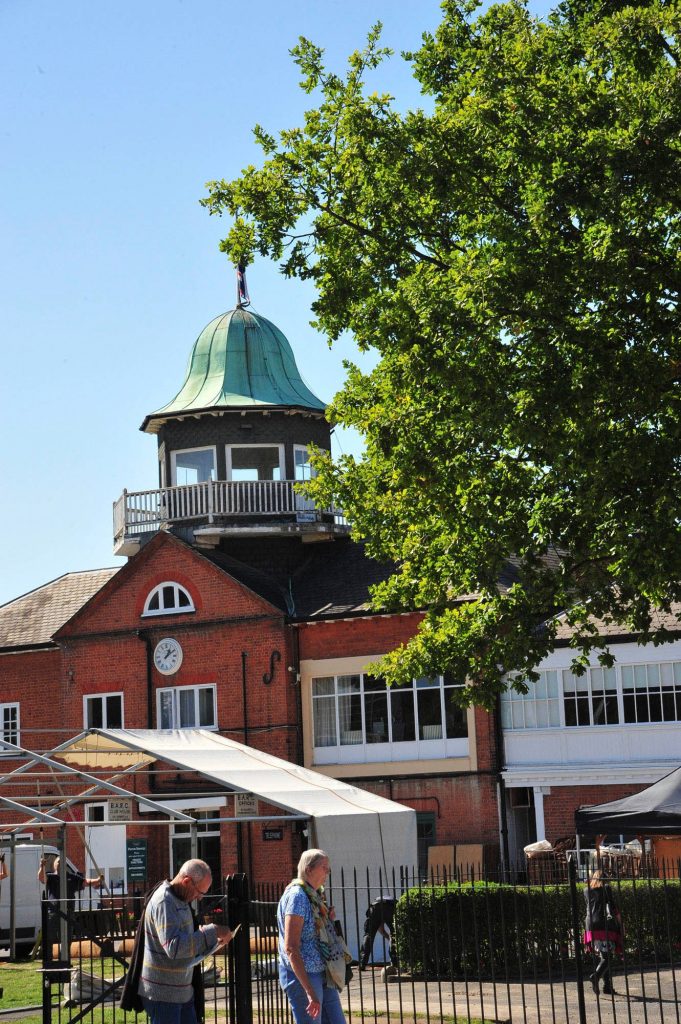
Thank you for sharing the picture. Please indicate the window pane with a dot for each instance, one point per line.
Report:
(324, 713)
(655, 706)
(323, 686)
(255, 463)
(376, 717)
(542, 714)
(348, 684)
(153, 603)
(183, 597)
(612, 711)
(114, 712)
(206, 707)
(583, 709)
(427, 681)
(169, 597)
(94, 713)
(187, 709)
(350, 717)
(194, 467)
(570, 711)
(402, 714)
(10, 722)
(430, 714)
(598, 705)
(303, 469)
(375, 683)
(456, 717)
(518, 715)
(166, 709)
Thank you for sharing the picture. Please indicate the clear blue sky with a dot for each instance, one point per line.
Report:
(114, 115)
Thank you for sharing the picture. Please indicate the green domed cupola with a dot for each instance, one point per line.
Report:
(239, 361)
(233, 444)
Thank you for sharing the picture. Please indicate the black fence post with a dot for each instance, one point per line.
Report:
(46, 950)
(240, 997)
(576, 928)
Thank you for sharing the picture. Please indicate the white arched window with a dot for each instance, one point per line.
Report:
(168, 599)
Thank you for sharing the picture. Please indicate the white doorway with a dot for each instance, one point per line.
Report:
(105, 849)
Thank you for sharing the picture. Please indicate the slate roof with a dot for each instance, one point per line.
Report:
(335, 579)
(32, 620)
(661, 620)
(263, 584)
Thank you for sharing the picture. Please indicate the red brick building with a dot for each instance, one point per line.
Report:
(242, 608)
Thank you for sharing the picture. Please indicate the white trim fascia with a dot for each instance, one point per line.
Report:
(596, 774)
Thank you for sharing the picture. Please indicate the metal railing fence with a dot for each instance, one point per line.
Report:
(472, 948)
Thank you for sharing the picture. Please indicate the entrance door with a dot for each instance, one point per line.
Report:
(208, 845)
(105, 849)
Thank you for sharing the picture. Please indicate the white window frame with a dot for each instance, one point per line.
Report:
(520, 712)
(313, 472)
(175, 692)
(184, 451)
(103, 698)
(11, 733)
(282, 462)
(175, 609)
(359, 750)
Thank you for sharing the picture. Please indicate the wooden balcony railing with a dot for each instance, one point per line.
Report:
(144, 511)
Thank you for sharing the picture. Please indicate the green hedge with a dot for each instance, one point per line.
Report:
(489, 930)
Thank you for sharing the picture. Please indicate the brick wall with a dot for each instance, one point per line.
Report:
(562, 802)
(358, 636)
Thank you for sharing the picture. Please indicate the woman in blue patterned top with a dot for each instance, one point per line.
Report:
(312, 960)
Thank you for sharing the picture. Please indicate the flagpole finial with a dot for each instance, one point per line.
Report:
(242, 298)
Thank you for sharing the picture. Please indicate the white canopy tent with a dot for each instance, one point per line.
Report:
(361, 832)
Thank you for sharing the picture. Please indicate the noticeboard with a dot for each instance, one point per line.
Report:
(120, 809)
(245, 805)
(136, 859)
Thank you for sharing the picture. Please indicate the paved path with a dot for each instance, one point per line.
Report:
(641, 998)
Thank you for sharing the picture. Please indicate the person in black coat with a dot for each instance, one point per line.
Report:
(603, 930)
(379, 918)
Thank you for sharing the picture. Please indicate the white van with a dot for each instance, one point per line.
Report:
(23, 866)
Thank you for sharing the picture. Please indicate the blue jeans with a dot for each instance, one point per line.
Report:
(331, 1012)
(170, 1013)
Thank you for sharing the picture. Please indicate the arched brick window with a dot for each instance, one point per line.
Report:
(168, 599)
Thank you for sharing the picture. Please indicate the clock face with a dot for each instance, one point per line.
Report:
(167, 656)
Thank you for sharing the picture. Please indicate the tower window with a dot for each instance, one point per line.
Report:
(168, 599)
(193, 466)
(255, 462)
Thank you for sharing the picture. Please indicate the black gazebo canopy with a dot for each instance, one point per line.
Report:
(654, 811)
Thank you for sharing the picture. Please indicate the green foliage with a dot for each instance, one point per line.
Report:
(489, 930)
(512, 254)
(483, 930)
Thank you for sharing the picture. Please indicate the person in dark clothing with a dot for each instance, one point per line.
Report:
(75, 882)
(379, 918)
(603, 930)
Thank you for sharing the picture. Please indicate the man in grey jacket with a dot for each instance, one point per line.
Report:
(173, 945)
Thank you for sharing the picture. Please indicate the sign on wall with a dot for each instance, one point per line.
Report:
(245, 805)
(136, 857)
(120, 809)
(270, 835)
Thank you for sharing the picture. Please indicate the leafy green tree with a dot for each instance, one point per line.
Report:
(511, 252)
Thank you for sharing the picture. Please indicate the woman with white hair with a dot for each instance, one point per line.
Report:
(313, 958)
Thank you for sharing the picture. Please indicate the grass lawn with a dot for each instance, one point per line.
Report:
(22, 984)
